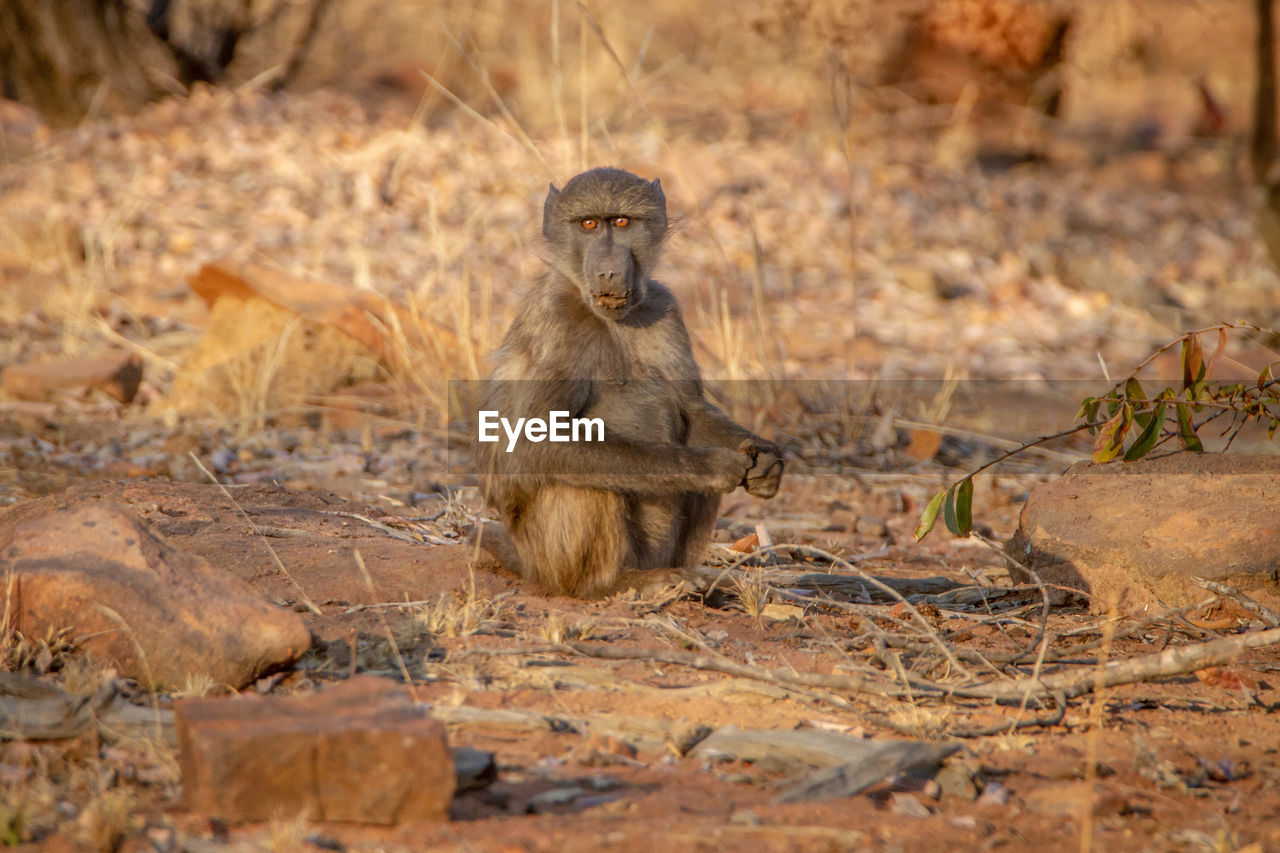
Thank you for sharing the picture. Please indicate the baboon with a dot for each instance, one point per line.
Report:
(597, 337)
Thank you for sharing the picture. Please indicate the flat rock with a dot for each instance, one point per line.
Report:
(158, 613)
(1140, 531)
(360, 751)
(206, 520)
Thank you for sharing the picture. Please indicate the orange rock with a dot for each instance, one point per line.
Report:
(157, 613)
(1141, 531)
(360, 751)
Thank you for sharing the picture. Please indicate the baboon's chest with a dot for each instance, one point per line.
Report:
(640, 390)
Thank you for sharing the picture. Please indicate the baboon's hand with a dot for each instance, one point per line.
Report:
(729, 468)
(765, 473)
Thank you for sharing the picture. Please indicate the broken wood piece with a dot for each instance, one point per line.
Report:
(809, 747)
(854, 586)
(36, 709)
(115, 373)
(880, 760)
(1179, 660)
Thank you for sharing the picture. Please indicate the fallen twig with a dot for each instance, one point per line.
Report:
(1179, 660)
(1266, 614)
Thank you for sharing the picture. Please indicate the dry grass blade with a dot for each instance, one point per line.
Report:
(462, 105)
(386, 627)
(469, 56)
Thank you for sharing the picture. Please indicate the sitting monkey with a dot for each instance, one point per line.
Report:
(596, 337)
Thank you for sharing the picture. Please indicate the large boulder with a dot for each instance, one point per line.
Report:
(1140, 531)
(160, 614)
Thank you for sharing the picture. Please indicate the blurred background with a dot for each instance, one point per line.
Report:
(311, 214)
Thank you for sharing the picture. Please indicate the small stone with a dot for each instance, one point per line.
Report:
(908, 805)
(994, 794)
(361, 751)
(745, 817)
(957, 782)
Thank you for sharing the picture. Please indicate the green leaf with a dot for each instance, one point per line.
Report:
(1133, 389)
(1148, 437)
(1087, 405)
(1111, 437)
(930, 516)
(964, 507)
(1186, 432)
(949, 512)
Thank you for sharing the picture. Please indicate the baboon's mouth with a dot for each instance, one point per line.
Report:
(610, 301)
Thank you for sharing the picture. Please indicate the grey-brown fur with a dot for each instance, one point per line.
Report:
(597, 337)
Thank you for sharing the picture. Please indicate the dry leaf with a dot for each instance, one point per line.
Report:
(924, 443)
(1226, 678)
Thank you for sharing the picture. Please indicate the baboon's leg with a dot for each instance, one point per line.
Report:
(669, 537)
(493, 538)
(573, 541)
(700, 512)
(654, 523)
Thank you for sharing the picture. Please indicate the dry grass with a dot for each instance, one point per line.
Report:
(453, 614)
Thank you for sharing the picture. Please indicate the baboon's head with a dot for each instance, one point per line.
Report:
(605, 231)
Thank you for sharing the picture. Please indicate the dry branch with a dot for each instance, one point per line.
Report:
(1179, 660)
(1266, 614)
(1176, 661)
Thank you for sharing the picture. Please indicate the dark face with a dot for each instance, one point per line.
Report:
(605, 230)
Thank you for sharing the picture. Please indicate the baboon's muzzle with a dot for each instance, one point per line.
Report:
(610, 273)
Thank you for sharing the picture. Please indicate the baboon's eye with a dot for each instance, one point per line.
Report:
(590, 224)
(621, 221)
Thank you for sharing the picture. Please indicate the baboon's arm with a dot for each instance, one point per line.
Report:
(623, 465)
(710, 427)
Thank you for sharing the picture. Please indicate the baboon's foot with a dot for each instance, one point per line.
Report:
(664, 585)
(493, 539)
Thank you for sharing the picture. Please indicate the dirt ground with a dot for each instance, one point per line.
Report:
(896, 302)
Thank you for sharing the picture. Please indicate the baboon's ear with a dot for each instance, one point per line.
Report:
(547, 210)
(656, 183)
